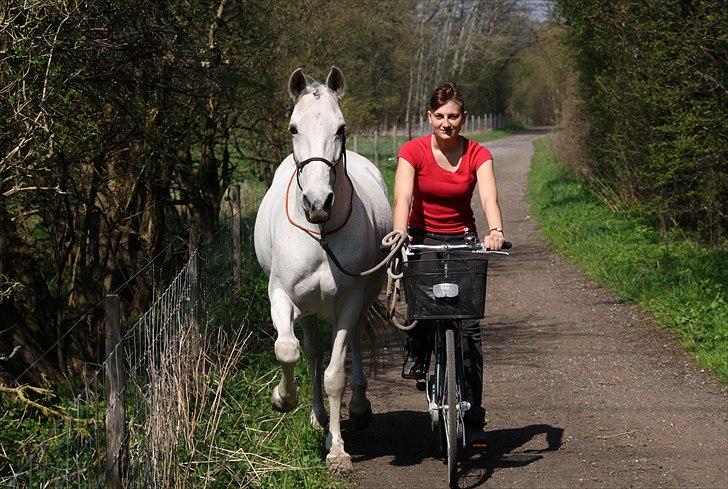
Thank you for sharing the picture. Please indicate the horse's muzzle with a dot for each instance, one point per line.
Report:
(317, 216)
(316, 211)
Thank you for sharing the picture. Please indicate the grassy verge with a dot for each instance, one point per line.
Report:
(683, 284)
(222, 429)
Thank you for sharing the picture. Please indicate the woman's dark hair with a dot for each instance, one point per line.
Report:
(445, 93)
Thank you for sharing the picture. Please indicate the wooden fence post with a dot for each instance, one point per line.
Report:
(394, 140)
(376, 146)
(193, 273)
(237, 247)
(116, 436)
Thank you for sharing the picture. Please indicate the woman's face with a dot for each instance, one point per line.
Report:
(447, 120)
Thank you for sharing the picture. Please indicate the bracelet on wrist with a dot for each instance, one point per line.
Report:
(497, 228)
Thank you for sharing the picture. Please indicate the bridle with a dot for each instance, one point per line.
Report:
(331, 164)
(393, 240)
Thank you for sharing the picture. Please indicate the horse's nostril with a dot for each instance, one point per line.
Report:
(329, 201)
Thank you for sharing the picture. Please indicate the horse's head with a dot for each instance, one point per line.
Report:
(318, 131)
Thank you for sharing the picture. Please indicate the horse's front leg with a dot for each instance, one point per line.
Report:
(283, 312)
(334, 382)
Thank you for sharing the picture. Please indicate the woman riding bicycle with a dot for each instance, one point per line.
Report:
(433, 187)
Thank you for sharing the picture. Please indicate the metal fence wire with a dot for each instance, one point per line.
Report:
(381, 145)
(143, 417)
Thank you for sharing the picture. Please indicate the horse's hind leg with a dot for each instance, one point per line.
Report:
(360, 409)
(314, 351)
(283, 312)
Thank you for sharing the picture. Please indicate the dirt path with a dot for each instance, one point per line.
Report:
(580, 390)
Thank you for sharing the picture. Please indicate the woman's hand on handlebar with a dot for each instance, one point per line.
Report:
(494, 241)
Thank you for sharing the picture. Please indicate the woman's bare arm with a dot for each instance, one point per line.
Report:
(404, 182)
(489, 200)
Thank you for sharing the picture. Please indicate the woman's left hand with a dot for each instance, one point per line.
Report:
(494, 241)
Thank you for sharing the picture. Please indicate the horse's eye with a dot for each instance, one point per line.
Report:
(293, 130)
(341, 131)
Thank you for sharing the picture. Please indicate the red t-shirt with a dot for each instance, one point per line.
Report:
(441, 199)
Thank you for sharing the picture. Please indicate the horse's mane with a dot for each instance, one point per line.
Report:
(313, 87)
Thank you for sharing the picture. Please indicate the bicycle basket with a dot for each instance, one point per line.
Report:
(469, 274)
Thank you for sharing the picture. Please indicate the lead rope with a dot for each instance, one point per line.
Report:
(394, 240)
(394, 288)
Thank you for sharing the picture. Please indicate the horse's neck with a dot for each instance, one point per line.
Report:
(343, 189)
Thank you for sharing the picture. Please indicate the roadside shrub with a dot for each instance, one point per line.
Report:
(653, 79)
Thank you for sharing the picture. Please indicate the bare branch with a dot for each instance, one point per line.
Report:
(18, 189)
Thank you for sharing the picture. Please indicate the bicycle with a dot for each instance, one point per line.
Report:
(449, 289)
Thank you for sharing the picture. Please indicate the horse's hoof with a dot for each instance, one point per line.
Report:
(319, 422)
(283, 404)
(361, 420)
(339, 464)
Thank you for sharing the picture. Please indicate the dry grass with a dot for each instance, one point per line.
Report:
(186, 401)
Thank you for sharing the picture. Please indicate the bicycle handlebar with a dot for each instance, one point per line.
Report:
(473, 248)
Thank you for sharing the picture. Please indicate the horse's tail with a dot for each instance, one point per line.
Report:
(378, 333)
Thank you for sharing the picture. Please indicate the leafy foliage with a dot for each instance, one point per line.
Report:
(653, 77)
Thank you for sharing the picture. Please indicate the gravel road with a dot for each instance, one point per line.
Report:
(580, 389)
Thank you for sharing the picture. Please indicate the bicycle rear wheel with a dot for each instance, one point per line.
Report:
(451, 401)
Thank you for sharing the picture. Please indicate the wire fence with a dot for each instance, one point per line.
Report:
(148, 415)
(381, 146)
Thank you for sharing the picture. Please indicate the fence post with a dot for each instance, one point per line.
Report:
(394, 140)
(376, 146)
(193, 273)
(237, 248)
(116, 439)
(356, 143)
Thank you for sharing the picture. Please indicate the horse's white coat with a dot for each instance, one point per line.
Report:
(303, 281)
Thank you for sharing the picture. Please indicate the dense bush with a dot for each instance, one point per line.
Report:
(653, 78)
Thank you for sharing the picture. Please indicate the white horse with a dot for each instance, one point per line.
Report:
(322, 190)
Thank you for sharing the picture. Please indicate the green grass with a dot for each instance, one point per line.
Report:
(285, 448)
(252, 445)
(683, 284)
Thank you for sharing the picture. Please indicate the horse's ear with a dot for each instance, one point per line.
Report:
(335, 82)
(296, 84)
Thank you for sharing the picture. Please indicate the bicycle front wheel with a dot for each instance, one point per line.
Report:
(451, 401)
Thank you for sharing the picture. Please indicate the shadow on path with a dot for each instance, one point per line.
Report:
(406, 438)
(477, 468)
(403, 435)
